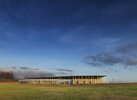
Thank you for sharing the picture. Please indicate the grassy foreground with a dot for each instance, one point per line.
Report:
(16, 91)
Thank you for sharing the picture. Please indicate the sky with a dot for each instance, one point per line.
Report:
(70, 37)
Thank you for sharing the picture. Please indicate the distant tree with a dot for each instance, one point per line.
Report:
(6, 76)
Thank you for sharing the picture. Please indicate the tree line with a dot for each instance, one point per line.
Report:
(6, 76)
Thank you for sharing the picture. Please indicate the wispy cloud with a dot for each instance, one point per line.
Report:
(21, 72)
(130, 49)
(14, 67)
(64, 70)
(6, 70)
(123, 54)
(103, 58)
(60, 73)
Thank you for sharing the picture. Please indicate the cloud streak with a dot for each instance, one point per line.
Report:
(64, 70)
(123, 54)
(21, 72)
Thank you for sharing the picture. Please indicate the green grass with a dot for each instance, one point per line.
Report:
(15, 91)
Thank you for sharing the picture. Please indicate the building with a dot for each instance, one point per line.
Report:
(96, 79)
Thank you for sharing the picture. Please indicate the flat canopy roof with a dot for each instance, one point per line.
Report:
(69, 77)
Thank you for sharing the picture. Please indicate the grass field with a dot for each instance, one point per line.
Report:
(16, 91)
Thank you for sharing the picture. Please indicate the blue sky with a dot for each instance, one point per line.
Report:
(70, 34)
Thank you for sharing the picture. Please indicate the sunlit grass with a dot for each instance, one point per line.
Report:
(15, 91)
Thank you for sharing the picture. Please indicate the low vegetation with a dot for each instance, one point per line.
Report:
(22, 91)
